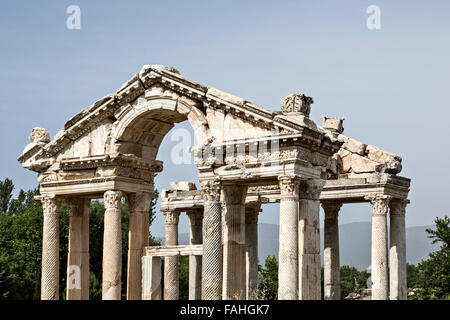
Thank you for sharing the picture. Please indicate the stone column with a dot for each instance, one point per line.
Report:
(397, 252)
(195, 262)
(309, 240)
(251, 246)
(212, 270)
(139, 204)
(171, 275)
(78, 255)
(234, 242)
(332, 286)
(50, 249)
(112, 246)
(151, 278)
(85, 262)
(379, 267)
(288, 239)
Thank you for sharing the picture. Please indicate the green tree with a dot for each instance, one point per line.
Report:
(184, 278)
(268, 279)
(21, 222)
(352, 280)
(6, 189)
(434, 273)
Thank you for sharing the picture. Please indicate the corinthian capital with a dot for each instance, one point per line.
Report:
(331, 209)
(50, 205)
(139, 202)
(171, 217)
(380, 204)
(112, 199)
(195, 216)
(75, 207)
(398, 206)
(311, 189)
(289, 186)
(211, 191)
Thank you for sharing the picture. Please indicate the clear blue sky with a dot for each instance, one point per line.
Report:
(391, 85)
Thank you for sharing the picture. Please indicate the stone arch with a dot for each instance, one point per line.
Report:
(142, 124)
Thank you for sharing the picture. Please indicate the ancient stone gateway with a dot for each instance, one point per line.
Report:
(246, 156)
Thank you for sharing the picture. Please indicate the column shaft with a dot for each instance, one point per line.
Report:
(397, 252)
(75, 254)
(309, 240)
(379, 266)
(212, 267)
(50, 249)
(251, 245)
(139, 204)
(85, 250)
(112, 246)
(171, 269)
(332, 287)
(288, 239)
(195, 262)
(234, 242)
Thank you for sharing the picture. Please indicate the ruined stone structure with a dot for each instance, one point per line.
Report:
(246, 156)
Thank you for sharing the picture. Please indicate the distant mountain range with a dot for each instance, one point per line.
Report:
(354, 240)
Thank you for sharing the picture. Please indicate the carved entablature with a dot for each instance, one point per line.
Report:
(282, 149)
(297, 103)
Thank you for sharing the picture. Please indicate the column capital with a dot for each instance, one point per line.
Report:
(139, 202)
(112, 199)
(195, 216)
(75, 207)
(211, 190)
(252, 213)
(289, 185)
(311, 189)
(50, 204)
(171, 217)
(331, 209)
(398, 206)
(380, 204)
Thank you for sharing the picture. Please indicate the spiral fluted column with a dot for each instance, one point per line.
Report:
(212, 267)
(50, 249)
